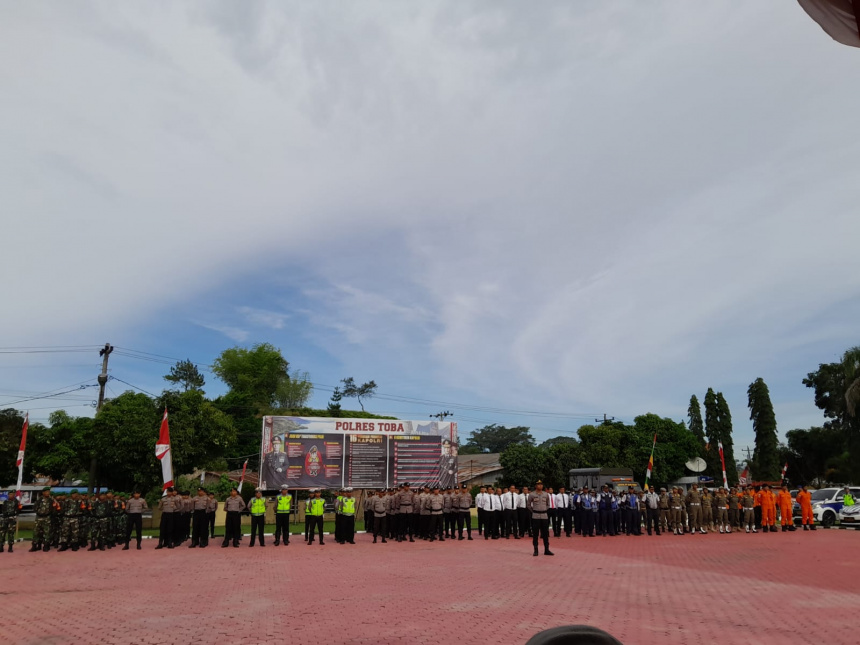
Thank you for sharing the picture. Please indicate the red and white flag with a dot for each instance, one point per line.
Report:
(20, 460)
(745, 475)
(162, 452)
(784, 470)
(242, 478)
(723, 462)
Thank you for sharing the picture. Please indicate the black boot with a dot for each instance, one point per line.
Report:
(138, 545)
(101, 546)
(125, 548)
(46, 548)
(536, 554)
(36, 548)
(812, 527)
(62, 548)
(92, 546)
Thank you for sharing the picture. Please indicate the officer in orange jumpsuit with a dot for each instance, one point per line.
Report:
(805, 500)
(768, 510)
(785, 507)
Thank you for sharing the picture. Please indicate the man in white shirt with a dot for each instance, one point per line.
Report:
(479, 504)
(524, 519)
(563, 513)
(509, 514)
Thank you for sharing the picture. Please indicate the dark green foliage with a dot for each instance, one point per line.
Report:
(496, 438)
(765, 464)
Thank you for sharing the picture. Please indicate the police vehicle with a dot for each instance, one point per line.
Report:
(827, 504)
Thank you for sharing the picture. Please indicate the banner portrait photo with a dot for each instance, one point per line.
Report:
(318, 452)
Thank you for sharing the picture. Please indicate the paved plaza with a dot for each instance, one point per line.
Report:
(753, 589)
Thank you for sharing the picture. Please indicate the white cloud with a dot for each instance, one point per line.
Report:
(576, 207)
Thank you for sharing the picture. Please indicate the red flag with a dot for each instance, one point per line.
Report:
(723, 462)
(162, 452)
(784, 469)
(20, 460)
(242, 478)
(744, 476)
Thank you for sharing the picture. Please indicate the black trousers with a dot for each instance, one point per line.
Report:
(607, 522)
(577, 521)
(556, 518)
(210, 520)
(315, 523)
(552, 514)
(368, 521)
(133, 521)
(624, 515)
(464, 519)
(166, 529)
(391, 525)
(338, 527)
(200, 530)
(652, 518)
(347, 528)
(523, 523)
(435, 527)
(481, 520)
(509, 526)
(567, 519)
(258, 522)
(448, 523)
(232, 528)
(634, 522)
(379, 527)
(282, 527)
(404, 524)
(491, 524)
(589, 519)
(540, 528)
(757, 513)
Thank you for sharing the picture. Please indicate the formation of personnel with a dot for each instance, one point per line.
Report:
(404, 514)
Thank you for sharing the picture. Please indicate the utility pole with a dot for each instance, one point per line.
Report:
(105, 352)
(605, 419)
(441, 415)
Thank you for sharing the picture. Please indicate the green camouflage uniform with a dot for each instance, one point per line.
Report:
(118, 536)
(73, 511)
(101, 521)
(42, 526)
(8, 519)
(57, 520)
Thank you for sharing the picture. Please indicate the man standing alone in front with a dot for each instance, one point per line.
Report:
(539, 503)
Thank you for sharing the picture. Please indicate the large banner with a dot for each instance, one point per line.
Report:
(317, 452)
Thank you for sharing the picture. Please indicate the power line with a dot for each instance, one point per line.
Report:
(114, 378)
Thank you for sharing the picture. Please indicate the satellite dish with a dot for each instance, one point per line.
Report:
(696, 464)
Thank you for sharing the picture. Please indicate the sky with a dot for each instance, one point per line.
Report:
(525, 214)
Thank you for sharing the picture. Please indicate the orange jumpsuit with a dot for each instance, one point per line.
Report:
(768, 508)
(785, 506)
(804, 498)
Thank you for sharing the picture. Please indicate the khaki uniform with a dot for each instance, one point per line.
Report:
(694, 499)
(722, 511)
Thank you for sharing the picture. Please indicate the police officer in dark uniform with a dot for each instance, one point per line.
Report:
(539, 504)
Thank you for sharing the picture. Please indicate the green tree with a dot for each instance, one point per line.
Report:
(61, 450)
(603, 445)
(851, 369)
(694, 414)
(186, 374)
(549, 443)
(712, 431)
(255, 373)
(352, 391)
(675, 446)
(523, 464)
(817, 456)
(295, 391)
(11, 424)
(334, 409)
(496, 438)
(765, 465)
(559, 459)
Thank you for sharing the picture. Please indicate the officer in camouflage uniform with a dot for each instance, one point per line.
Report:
(70, 533)
(118, 520)
(101, 522)
(42, 527)
(8, 521)
(86, 519)
(57, 519)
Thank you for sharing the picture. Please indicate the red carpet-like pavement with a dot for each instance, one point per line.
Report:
(777, 588)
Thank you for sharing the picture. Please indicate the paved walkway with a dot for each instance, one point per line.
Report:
(756, 589)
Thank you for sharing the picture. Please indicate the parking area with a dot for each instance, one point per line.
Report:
(759, 589)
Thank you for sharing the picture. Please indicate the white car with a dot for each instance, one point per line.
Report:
(827, 504)
(850, 516)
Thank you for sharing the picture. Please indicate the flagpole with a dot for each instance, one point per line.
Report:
(650, 462)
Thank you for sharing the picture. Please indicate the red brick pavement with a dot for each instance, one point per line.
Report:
(756, 589)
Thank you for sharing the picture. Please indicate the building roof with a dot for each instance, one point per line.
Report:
(472, 466)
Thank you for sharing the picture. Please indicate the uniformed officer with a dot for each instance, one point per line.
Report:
(211, 510)
(392, 514)
(134, 509)
(464, 506)
(169, 507)
(379, 507)
(283, 506)
(101, 517)
(509, 514)
(694, 499)
(234, 505)
(257, 508)
(448, 505)
(367, 506)
(42, 526)
(275, 466)
(9, 521)
(404, 514)
(347, 512)
(315, 512)
(665, 515)
(539, 503)
(71, 527)
(721, 500)
(479, 505)
(748, 502)
(435, 505)
(605, 503)
(200, 529)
